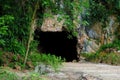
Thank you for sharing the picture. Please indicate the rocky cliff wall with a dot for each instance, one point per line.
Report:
(92, 37)
(89, 38)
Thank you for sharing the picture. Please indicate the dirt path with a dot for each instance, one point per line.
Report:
(82, 71)
(103, 71)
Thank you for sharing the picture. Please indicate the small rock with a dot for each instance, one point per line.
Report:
(118, 51)
(42, 69)
(89, 77)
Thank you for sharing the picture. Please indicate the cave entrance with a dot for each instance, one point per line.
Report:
(58, 44)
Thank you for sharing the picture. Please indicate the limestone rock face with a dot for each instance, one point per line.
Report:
(90, 38)
(51, 24)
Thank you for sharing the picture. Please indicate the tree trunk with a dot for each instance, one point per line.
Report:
(32, 28)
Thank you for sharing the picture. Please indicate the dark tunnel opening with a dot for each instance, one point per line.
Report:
(58, 44)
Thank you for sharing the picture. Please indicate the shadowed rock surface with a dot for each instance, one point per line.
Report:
(58, 44)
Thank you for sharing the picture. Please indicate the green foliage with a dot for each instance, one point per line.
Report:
(33, 46)
(97, 9)
(74, 9)
(110, 58)
(14, 46)
(117, 31)
(101, 10)
(48, 59)
(115, 44)
(15, 18)
(106, 54)
(11, 60)
(6, 74)
(1, 61)
(17, 30)
(69, 11)
(90, 56)
(15, 21)
(4, 24)
(33, 76)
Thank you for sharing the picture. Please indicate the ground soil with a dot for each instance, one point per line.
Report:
(102, 71)
(83, 71)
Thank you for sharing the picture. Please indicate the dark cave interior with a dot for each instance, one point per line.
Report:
(58, 44)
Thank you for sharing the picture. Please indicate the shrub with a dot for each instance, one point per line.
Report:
(110, 47)
(4, 22)
(14, 46)
(48, 59)
(11, 60)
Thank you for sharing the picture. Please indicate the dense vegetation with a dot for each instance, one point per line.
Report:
(100, 10)
(107, 53)
(17, 19)
(17, 32)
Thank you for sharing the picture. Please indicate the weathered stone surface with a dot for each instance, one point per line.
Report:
(51, 24)
(43, 68)
(89, 38)
(68, 75)
(92, 37)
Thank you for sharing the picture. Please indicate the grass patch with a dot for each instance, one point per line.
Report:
(6, 74)
(111, 58)
(34, 76)
(16, 60)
